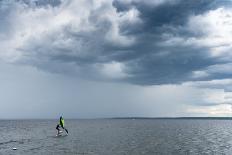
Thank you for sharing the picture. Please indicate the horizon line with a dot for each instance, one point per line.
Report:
(82, 118)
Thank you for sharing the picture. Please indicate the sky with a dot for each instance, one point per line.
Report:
(115, 58)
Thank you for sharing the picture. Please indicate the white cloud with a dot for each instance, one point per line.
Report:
(213, 70)
(223, 84)
(217, 96)
(113, 70)
(199, 74)
(214, 29)
(223, 110)
(149, 2)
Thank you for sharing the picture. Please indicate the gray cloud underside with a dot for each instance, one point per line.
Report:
(155, 44)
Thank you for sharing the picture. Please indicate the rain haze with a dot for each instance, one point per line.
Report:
(115, 58)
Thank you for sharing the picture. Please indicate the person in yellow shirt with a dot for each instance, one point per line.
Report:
(61, 124)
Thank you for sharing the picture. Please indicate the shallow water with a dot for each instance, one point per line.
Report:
(117, 137)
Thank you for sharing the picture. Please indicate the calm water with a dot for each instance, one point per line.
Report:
(117, 137)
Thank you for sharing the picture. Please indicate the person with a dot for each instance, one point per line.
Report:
(62, 125)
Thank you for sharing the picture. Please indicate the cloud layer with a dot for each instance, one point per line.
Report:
(134, 41)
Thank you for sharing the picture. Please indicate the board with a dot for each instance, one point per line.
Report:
(59, 133)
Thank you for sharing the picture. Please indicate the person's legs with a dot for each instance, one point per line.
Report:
(58, 129)
(65, 129)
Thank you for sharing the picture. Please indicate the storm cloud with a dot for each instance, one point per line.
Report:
(139, 42)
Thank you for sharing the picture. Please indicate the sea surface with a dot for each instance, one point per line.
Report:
(117, 137)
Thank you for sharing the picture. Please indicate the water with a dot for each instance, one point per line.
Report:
(117, 137)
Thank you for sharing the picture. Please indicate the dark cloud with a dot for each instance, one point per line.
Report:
(148, 42)
(41, 3)
(156, 64)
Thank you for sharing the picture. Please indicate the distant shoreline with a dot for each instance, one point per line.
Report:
(207, 118)
(148, 118)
